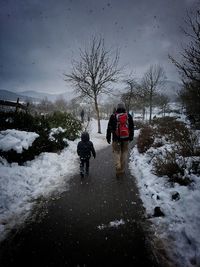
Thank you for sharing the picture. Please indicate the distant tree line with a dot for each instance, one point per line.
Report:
(146, 94)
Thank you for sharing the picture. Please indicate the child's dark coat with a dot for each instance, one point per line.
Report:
(85, 147)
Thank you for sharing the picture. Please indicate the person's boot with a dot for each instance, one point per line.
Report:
(119, 173)
(87, 172)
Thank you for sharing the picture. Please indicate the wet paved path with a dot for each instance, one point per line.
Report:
(66, 230)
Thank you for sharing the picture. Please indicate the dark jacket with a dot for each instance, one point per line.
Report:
(85, 147)
(112, 124)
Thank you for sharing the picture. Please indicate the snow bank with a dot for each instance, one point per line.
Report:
(16, 140)
(181, 223)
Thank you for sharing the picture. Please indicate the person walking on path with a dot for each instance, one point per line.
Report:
(121, 127)
(82, 115)
(84, 149)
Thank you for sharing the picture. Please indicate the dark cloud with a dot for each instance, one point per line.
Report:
(40, 38)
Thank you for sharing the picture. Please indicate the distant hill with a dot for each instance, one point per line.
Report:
(39, 95)
(10, 96)
(33, 96)
(170, 89)
(50, 97)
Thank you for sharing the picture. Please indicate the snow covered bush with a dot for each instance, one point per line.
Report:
(172, 148)
(13, 120)
(145, 138)
(170, 128)
(23, 121)
(65, 120)
(49, 140)
(138, 124)
(178, 133)
(169, 166)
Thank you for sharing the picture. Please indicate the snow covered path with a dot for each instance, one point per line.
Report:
(97, 222)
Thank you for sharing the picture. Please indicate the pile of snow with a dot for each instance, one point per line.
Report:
(22, 185)
(114, 224)
(16, 140)
(55, 131)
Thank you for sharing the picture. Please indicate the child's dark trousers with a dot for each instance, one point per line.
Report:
(84, 166)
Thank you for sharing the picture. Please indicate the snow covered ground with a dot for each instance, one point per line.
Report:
(49, 173)
(180, 227)
(21, 186)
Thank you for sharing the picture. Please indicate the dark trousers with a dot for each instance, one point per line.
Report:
(84, 164)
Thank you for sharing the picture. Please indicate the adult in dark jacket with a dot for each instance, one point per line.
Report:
(84, 149)
(120, 146)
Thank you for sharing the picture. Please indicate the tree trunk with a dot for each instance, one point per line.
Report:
(98, 116)
(143, 113)
(129, 102)
(150, 108)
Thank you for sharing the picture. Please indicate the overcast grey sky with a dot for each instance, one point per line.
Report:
(39, 38)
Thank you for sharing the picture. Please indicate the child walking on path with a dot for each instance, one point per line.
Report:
(84, 149)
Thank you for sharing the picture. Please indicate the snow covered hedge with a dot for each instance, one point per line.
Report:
(52, 132)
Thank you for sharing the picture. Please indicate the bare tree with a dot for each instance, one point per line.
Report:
(61, 104)
(94, 73)
(135, 97)
(189, 68)
(152, 80)
(162, 101)
(45, 106)
(74, 106)
(142, 100)
(131, 94)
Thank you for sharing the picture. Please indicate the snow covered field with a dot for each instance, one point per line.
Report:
(49, 173)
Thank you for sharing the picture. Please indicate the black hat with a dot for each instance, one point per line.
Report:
(121, 106)
(85, 136)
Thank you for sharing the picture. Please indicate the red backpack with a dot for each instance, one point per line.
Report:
(122, 130)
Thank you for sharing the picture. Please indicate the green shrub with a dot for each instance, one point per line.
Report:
(24, 122)
(67, 122)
